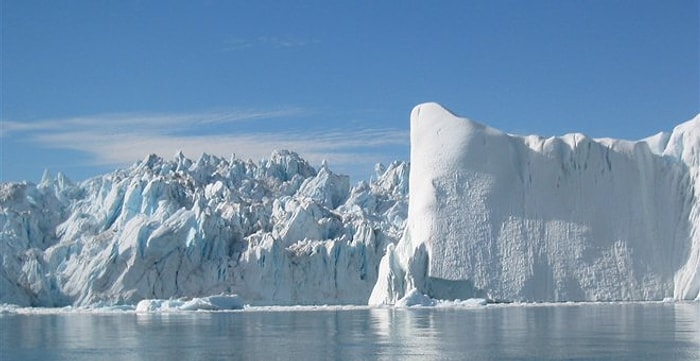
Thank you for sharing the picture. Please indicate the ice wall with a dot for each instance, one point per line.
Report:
(546, 219)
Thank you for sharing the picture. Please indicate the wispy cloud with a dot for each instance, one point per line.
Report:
(121, 139)
(285, 42)
(145, 122)
(236, 44)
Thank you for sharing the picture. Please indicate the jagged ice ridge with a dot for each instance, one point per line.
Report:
(276, 232)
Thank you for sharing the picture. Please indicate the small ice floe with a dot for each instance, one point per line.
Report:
(415, 298)
(7, 308)
(470, 302)
(211, 303)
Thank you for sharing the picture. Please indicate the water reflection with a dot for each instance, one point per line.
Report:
(623, 331)
(609, 331)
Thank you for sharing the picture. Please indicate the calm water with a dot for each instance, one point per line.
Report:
(563, 332)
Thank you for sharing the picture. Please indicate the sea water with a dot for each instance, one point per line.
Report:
(629, 331)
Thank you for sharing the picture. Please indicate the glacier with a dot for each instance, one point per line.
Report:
(477, 215)
(527, 218)
(276, 232)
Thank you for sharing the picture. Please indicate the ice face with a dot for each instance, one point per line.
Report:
(275, 232)
(546, 219)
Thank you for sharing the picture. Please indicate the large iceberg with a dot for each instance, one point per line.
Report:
(527, 218)
(274, 232)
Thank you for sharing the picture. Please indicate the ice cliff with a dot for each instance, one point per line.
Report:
(527, 218)
(274, 232)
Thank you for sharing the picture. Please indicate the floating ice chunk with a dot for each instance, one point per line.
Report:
(211, 303)
(471, 302)
(415, 298)
(214, 303)
(158, 305)
(6, 308)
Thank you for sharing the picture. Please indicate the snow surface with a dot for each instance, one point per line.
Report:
(527, 218)
(276, 232)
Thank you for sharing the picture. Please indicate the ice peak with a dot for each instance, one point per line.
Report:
(284, 164)
(684, 142)
(431, 108)
(46, 178)
(60, 182)
(433, 118)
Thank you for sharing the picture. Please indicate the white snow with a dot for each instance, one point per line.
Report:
(566, 218)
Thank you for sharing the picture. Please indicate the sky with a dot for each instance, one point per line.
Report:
(91, 86)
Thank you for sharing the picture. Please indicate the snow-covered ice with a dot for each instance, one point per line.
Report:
(528, 218)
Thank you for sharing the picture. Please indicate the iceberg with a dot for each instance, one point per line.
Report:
(527, 218)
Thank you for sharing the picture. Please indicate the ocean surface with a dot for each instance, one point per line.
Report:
(629, 331)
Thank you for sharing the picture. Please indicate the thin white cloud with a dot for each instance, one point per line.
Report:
(118, 140)
(120, 149)
(234, 44)
(145, 122)
(237, 44)
(285, 42)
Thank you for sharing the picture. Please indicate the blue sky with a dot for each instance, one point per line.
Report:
(89, 86)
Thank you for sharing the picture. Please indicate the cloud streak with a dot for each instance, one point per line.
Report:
(145, 122)
(121, 139)
(276, 42)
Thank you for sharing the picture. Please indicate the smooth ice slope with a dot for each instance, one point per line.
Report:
(273, 232)
(546, 219)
